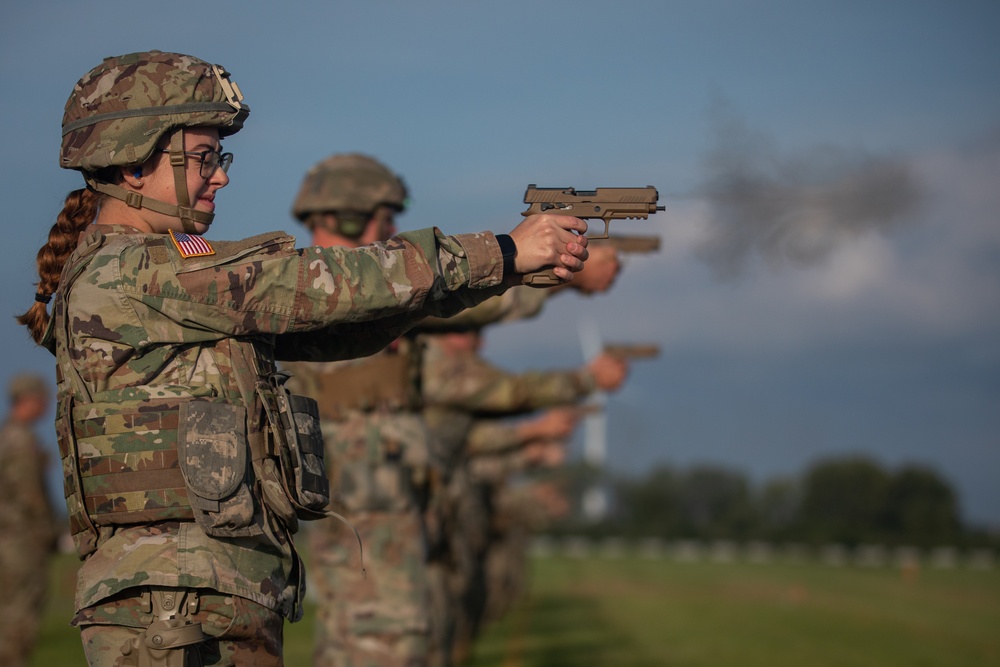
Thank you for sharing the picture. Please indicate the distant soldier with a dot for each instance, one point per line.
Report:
(459, 387)
(505, 459)
(27, 522)
(519, 511)
(376, 447)
(453, 572)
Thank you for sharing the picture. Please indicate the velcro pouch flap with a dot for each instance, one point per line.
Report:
(212, 447)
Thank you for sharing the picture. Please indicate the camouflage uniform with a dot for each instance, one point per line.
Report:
(517, 514)
(498, 462)
(193, 329)
(186, 465)
(459, 388)
(29, 528)
(377, 450)
(378, 454)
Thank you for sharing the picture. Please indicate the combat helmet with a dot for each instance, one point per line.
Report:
(353, 186)
(26, 384)
(120, 110)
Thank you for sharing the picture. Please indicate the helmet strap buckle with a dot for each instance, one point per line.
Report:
(133, 199)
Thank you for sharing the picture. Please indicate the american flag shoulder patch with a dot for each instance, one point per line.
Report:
(191, 245)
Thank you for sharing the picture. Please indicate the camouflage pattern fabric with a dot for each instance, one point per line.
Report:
(351, 183)
(518, 506)
(518, 303)
(116, 113)
(494, 468)
(239, 632)
(517, 515)
(458, 388)
(29, 528)
(467, 507)
(145, 323)
(492, 436)
(378, 467)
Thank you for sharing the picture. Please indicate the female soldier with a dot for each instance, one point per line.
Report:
(186, 462)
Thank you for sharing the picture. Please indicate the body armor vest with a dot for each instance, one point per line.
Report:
(211, 460)
(388, 380)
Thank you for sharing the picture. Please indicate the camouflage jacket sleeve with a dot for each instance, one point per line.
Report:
(518, 303)
(264, 285)
(528, 503)
(488, 436)
(468, 382)
(494, 468)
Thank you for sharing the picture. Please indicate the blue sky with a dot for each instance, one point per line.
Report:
(851, 313)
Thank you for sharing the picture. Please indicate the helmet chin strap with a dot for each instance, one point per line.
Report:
(182, 210)
(178, 161)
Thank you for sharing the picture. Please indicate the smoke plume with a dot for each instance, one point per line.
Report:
(794, 209)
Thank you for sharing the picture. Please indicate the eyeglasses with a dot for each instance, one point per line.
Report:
(209, 161)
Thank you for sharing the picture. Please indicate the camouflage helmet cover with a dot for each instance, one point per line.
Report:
(118, 112)
(349, 182)
(27, 384)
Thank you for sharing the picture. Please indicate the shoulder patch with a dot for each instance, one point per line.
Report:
(191, 245)
(158, 251)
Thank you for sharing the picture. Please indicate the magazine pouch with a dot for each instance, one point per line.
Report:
(295, 423)
(212, 449)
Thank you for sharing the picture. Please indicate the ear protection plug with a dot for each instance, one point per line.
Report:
(138, 172)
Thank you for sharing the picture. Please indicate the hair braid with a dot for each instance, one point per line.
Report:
(79, 210)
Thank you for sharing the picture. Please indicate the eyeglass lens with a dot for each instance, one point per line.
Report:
(212, 160)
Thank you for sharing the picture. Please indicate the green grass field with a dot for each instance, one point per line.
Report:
(635, 612)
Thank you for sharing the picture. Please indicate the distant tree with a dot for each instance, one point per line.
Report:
(850, 500)
(843, 501)
(778, 504)
(920, 509)
(715, 503)
(648, 506)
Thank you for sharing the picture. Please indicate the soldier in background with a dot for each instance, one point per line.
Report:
(27, 521)
(506, 460)
(455, 572)
(459, 387)
(377, 449)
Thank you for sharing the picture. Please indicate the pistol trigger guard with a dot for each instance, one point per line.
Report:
(607, 231)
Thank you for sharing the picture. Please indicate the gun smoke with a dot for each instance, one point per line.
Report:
(794, 209)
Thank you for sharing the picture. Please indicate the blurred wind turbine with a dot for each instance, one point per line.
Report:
(595, 499)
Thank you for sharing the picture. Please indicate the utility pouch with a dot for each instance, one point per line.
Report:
(295, 423)
(212, 453)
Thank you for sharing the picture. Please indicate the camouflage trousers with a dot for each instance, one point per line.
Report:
(240, 632)
(458, 569)
(23, 582)
(379, 617)
(506, 570)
